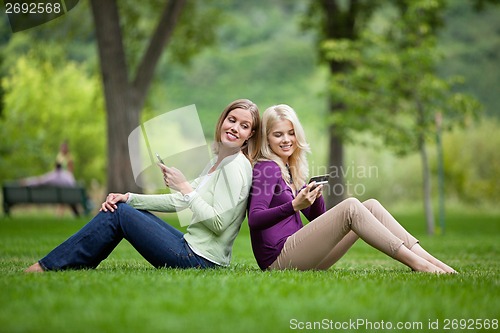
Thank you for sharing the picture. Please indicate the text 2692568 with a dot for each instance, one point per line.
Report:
(33, 8)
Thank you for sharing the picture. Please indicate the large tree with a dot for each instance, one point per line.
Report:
(125, 96)
(392, 89)
(334, 19)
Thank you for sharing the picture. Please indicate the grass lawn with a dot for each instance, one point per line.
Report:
(365, 291)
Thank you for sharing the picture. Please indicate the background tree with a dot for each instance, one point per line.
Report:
(125, 97)
(334, 19)
(127, 62)
(263, 54)
(125, 94)
(393, 90)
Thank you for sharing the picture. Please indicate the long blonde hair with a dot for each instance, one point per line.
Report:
(298, 160)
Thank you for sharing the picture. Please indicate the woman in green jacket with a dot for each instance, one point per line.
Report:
(217, 199)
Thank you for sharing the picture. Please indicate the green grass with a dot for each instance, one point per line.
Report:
(125, 294)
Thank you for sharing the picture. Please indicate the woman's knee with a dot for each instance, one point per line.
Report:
(121, 206)
(371, 204)
(350, 202)
(351, 205)
(345, 212)
(124, 212)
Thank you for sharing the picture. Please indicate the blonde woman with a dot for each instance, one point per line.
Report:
(279, 193)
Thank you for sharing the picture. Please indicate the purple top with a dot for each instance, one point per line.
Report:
(271, 217)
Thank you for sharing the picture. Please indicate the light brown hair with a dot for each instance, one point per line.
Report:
(251, 147)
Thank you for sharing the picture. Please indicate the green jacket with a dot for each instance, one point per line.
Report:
(217, 208)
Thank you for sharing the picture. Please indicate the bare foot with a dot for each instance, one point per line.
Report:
(427, 267)
(35, 268)
(417, 249)
(443, 266)
(415, 262)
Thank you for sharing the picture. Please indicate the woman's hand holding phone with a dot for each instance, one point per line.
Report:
(319, 180)
(307, 196)
(175, 180)
(159, 159)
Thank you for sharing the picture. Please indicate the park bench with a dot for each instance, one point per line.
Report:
(15, 193)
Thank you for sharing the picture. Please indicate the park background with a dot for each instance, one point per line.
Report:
(52, 91)
(267, 51)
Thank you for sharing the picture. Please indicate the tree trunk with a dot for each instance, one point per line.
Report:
(336, 188)
(429, 215)
(121, 117)
(124, 100)
(426, 175)
(440, 165)
(337, 24)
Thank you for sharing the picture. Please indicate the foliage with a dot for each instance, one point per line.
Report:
(67, 38)
(254, 60)
(45, 105)
(125, 294)
(350, 18)
(470, 44)
(471, 169)
(125, 87)
(195, 31)
(391, 77)
(472, 162)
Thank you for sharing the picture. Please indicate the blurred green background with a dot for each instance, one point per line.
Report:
(51, 90)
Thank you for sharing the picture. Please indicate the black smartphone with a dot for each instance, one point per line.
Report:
(159, 159)
(320, 180)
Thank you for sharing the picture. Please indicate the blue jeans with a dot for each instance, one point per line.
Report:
(158, 242)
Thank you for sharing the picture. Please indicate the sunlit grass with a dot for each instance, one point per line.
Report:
(125, 294)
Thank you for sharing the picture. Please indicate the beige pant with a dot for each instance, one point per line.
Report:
(322, 242)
